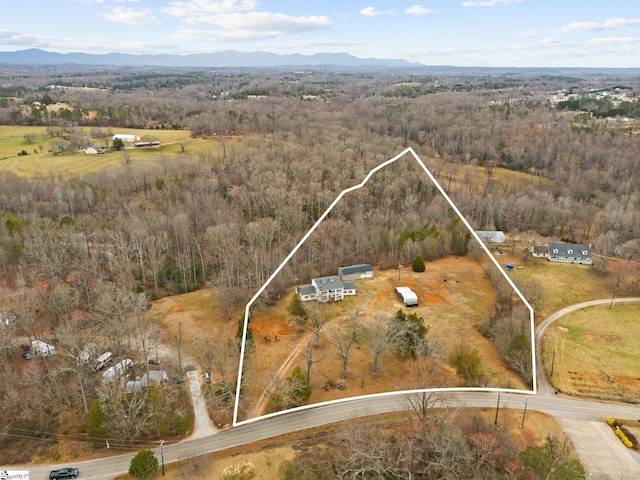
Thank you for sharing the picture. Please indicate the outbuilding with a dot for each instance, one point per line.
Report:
(355, 272)
(126, 137)
(492, 236)
(408, 296)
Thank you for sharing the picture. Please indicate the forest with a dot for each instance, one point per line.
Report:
(81, 256)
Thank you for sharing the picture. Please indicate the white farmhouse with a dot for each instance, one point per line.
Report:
(93, 150)
(324, 289)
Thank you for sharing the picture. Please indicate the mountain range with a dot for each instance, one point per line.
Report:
(229, 58)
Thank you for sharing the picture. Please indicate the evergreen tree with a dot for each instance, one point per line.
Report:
(95, 425)
(418, 264)
(118, 143)
(143, 464)
(409, 334)
(296, 309)
(300, 387)
(551, 461)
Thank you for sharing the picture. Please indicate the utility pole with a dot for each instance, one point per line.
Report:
(179, 347)
(399, 267)
(162, 455)
(553, 361)
(495, 422)
(614, 292)
(524, 413)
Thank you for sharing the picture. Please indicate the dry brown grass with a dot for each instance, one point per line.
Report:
(454, 296)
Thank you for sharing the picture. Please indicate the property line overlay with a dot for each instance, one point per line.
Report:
(376, 395)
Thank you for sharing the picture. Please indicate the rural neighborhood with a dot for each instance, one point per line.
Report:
(318, 271)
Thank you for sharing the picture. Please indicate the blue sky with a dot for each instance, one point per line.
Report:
(515, 33)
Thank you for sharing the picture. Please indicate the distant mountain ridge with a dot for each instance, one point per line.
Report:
(229, 58)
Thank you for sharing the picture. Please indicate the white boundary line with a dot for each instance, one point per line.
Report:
(374, 395)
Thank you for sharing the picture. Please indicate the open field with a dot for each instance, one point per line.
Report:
(454, 296)
(596, 352)
(560, 284)
(44, 163)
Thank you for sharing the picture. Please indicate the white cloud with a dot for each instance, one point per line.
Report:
(372, 12)
(298, 44)
(99, 2)
(130, 16)
(608, 24)
(418, 10)
(266, 22)
(529, 34)
(252, 26)
(488, 3)
(192, 8)
(601, 42)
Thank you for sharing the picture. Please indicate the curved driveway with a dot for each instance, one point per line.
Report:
(567, 409)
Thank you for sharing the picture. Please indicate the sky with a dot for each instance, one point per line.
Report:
(492, 33)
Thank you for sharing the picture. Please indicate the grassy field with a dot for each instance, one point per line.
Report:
(560, 284)
(596, 352)
(44, 163)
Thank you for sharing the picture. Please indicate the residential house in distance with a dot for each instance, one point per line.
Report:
(334, 287)
(579, 253)
(93, 150)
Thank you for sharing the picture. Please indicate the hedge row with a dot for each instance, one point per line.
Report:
(619, 433)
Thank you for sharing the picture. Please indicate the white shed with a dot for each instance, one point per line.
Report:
(126, 137)
(408, 296)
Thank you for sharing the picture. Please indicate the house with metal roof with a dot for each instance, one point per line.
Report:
(570, 253)
(564, 252)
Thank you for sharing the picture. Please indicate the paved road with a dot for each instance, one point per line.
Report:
(573, 412)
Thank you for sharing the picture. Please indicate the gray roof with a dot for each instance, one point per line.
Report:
(306, 290)
(157, 376)
(331, 282)
(541, 249)
(349, 285)
(364, 267)
(578, 250)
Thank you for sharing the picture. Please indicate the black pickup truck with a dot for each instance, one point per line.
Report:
(64, 473)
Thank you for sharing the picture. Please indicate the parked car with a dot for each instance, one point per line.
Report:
(26, 356)
(154, 361)
(207, 377)
(64, 473)
(25, 347)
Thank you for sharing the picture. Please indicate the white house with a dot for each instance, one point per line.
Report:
(93, 150)
(570, 253)
(324, 289)
(564, 252)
